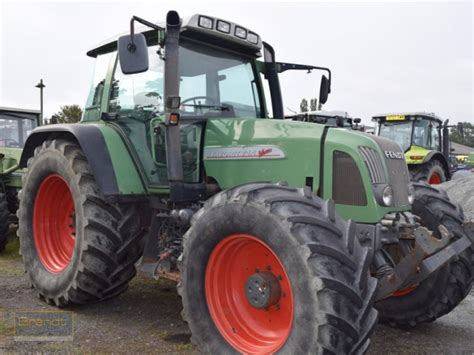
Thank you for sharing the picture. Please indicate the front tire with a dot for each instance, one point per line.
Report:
(442, 291)
(76, 247)
(251, 232)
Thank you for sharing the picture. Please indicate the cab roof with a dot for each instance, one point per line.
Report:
(427, 115)
(18, 110)
(191, 27)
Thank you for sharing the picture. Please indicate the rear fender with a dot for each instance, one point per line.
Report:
(107, 155)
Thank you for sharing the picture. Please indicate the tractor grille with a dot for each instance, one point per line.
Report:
(347, 185)
(398, 176)
(374, 165)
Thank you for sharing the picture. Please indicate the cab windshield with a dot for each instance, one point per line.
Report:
(399, 132)
(213, 83)
(14, 131)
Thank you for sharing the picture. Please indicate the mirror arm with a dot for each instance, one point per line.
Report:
(131, 46)
(281, 67)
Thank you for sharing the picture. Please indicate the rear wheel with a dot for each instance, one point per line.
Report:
(268, 268)
(440, 293)
(4, 221)
(432, 172)
(76, 247)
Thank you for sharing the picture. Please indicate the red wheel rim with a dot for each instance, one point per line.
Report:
(53, 224)
(247, 329)
(404, 291)
(435, 179)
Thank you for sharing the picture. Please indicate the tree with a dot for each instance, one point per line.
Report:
(304, 105)
(68, 114)
(313, 104)
(467, 138)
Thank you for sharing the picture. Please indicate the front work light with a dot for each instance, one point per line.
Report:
(223, 26)
(205, 22)
(240, 32)
(252, 38)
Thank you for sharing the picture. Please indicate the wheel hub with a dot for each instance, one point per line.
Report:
(263, 290)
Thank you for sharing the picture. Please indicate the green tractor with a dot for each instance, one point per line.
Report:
(425, 140)
(273, 248)
(15, 126)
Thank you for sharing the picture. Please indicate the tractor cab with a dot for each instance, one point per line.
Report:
(15, 127)
(425, 140)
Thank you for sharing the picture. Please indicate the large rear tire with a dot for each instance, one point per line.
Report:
(76, 247)
(443, 290)
(432, 172)
(4, 221)
(295, 242)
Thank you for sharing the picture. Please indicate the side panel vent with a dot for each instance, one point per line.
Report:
(347, 185)
(374, 165)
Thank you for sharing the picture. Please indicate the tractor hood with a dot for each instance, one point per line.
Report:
(238, 151)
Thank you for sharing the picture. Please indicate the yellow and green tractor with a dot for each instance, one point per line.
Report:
(424, 138)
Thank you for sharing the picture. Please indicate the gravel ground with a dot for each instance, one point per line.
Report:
(461, 189)
(146, 318)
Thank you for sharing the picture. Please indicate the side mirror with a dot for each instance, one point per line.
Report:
(133, 53)
(324, 90)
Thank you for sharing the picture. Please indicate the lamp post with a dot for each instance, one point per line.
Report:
(40, 86)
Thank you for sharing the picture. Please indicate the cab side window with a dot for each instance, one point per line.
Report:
(434, 138)
(98, 81)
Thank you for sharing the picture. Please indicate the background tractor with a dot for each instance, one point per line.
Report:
(176, 162)
(15, 126)
(425, 140)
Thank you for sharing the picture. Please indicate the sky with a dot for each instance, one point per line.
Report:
(385, 57)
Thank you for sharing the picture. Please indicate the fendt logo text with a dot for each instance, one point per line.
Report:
(394, 155)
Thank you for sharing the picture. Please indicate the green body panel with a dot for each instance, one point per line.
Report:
(128, 178)
(300, 143)
(417, 151)
(349, 142)
(10, 176)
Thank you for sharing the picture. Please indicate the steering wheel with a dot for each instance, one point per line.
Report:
(6, 140)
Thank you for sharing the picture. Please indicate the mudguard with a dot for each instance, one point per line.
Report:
(434, 154)
(107, 155)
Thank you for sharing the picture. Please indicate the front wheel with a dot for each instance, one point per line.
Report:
(442, 291)
(76, 247)
(267, 268)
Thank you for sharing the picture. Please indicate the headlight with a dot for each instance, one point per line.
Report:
(411, 194)
(387, 196)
